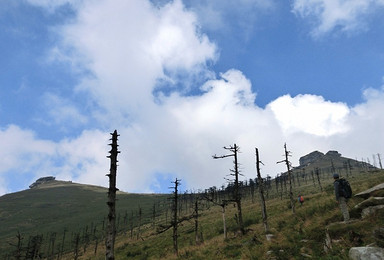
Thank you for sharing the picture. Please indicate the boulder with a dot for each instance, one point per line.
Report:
(366, 253)
(371, 210)
(372, 201)
(367, 193)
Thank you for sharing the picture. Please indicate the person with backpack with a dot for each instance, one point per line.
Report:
(300, 199)
(342, 192)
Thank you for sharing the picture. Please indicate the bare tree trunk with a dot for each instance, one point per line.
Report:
(236, 193)
(139, 226)
(261, 192)
(318, 179)
(18, 245)
(288, 164)
(175, 221)
(76, 249)
(196, 216)
(111, 226)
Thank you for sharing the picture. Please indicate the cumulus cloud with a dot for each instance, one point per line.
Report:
(172, 134)
(26, 157)
(126, 59)
(310, 114)
(330, 15)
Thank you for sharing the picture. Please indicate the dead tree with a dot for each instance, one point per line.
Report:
(288, 164)
(139, 225)
(196, 218)
(62, 242)
(235, 172)
(34, 245)
(261, 192)
(76, 242)
(111, 226)
(317, 172)
(223, 204)
(333, 169)
(18, 246)
(174, 221)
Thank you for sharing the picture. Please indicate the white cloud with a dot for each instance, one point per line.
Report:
(330, 15)
(310, 114)
(175, 135)
(26, 157)
(21, 150)
(127, 57)
(62, 112)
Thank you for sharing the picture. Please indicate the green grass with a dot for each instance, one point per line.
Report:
(294, 235)
(75, 207)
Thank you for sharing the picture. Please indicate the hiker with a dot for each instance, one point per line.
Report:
(341, 198)
(300, 199)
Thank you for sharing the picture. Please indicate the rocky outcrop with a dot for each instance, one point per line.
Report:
(333, 154)
(366, 253)
(41, 181)
(310, 158)
(367, 193)
(371, 205)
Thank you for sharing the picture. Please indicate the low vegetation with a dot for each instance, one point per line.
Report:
(291, 236)
(67, 221)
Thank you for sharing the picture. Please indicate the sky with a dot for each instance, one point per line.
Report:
(179, 80)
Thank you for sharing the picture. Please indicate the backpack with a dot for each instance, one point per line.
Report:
(345, 189)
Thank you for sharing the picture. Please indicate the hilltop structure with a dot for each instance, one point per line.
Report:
(310, 158)
(41, 181)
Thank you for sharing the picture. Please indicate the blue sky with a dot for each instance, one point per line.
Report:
(181, 79)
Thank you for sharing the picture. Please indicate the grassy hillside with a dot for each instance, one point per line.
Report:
(71, 217)
(295, 236)
(57, 207)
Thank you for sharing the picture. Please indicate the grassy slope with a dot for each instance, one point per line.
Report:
(59, 206)
(294, 235)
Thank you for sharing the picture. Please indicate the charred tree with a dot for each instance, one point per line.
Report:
(18, 246)
(288, 164)
(236, 192)
(261, 193)
(111, 225)
(174, 221)
(34, 245)
(317, 172)
(76, 246)
(139, 225)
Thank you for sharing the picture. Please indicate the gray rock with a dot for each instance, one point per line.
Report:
(371, 210)
(366, 193)
(269, 237)
(372, 201)
(366, 253)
